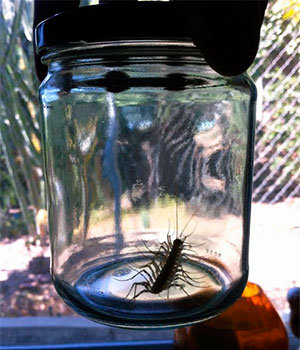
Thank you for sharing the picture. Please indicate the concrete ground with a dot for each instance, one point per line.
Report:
(274, 249)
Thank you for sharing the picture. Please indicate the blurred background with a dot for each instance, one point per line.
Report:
(26, 288)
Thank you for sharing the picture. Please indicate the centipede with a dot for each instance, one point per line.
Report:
(165, 270)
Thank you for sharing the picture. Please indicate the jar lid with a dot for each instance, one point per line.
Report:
(226, 33)
(115, 20)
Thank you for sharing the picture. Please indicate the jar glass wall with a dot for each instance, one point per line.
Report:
(148, 162)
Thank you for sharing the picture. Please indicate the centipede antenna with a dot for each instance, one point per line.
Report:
(169, 227)
(185, 226)
(189, 235)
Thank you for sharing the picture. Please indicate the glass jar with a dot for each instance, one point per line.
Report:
(148, 163)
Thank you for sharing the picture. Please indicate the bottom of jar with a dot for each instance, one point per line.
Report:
(126, 294)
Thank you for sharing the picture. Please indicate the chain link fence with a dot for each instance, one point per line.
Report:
(276, 73)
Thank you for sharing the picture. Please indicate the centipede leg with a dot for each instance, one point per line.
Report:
(138, 273)
(152, 271)
(148, 274)
(148, 265)
(186, 281)
(163, 246)
(181, 287)
(191, 298)
(190, 281)
(185, 274)
(149, 250)
(190, 250)
(146, 290)
(134, 288)
(168, 294)
(156, 254)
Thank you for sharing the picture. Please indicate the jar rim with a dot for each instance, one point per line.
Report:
(123, 50)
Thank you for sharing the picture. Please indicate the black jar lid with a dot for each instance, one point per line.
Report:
(225, 32)
(115, 20)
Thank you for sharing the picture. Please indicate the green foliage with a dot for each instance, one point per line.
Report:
(8, 197)
(12, 225)
(19, 124)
